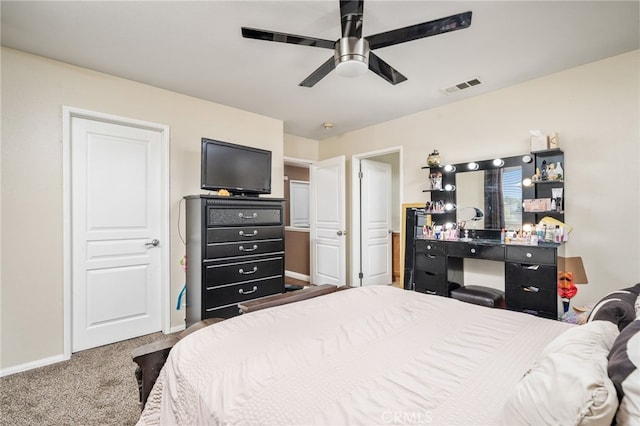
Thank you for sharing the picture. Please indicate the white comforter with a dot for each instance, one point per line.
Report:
(373, 355)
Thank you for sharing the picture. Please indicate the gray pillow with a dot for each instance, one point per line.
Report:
(617, 307)
(624, 361)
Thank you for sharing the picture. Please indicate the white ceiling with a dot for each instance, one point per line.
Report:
(196, 48)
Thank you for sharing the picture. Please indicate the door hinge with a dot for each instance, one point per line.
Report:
(360, 175)
(361, 275)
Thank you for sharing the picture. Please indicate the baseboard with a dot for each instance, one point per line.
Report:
(297, 276)
(31, 365)
(177, 328)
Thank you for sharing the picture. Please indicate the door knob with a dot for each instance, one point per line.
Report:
(153, 242)
(341, 233)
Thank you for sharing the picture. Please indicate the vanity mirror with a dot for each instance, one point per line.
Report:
(492, 190)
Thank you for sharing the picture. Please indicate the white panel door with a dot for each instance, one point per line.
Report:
(375, 213)
(327, 222)
(116, 214)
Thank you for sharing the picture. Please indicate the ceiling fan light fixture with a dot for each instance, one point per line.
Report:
(352, 56)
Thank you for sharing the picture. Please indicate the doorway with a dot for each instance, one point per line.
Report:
(359, 241)
(116, 228)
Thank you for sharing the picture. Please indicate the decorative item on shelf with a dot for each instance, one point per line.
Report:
(435, 179)
(542, 142)
(544, 174)
(433, 160)
(559, 171)
(571, 272)
(556, 196)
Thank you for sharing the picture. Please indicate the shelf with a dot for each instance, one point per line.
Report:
(538, 182)
(546, 212)
(437, 190)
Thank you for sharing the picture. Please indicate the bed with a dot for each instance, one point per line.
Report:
(382, 355)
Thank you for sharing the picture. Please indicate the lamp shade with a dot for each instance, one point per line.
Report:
(575, 266)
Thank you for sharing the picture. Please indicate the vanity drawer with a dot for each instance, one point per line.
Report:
(244, 248)
(430, 283)
(430, 263)
(221, 274)
(489, 252)
(244, 233)
(533, 300)
(527, 275)
(249, 290)
(431, 247)
(243, 216)
(527, 254)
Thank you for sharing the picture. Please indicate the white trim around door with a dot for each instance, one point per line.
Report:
(355, 205)
(68, 113)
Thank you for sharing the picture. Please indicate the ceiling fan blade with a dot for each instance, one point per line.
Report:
(351, 18)
(426, 29)
(319, 74)
(286, 38)
(384, 70)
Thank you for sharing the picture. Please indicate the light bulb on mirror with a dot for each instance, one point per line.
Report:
(473, 166)
(498, 162)
(449, 168)
(449, 187)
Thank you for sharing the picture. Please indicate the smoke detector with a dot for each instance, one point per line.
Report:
(461, 86)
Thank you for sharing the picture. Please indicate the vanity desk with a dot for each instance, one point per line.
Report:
(530, 273)
(436, 266)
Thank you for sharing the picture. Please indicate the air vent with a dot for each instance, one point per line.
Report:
(461, 86)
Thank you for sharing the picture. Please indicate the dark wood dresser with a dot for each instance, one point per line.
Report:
(235, 253)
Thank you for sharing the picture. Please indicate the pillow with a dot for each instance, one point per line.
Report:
(618, 307)
(624, 364)
(568, 384)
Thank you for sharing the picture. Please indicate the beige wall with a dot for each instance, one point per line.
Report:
(34, 91)
(595, 110)
(300, 148)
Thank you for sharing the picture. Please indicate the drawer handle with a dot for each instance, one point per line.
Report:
(473, 251)
(241, 291)
(530, 289)
(529, 255)
(242, 234)
(430, 292)
(243, 248)
(253, 271)
(533, 267)
(251, 216)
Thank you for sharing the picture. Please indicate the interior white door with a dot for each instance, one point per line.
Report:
(327, 222)
(375, 231)
(116, 223)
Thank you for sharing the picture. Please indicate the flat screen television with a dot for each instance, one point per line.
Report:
(239, 169)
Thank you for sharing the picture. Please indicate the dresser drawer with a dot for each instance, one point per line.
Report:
(221, 274)
(243, 216)
(244, 248)
(248, 290)
(526, 254)
(430, 283)
(430, 263)
(244, 233)
(224, 312)
(531, 299)
(429, 246)
(526, 275)
(488, 252)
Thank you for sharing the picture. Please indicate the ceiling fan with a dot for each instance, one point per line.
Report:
(352, 52)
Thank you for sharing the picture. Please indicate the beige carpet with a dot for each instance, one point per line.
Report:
(95, 387)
